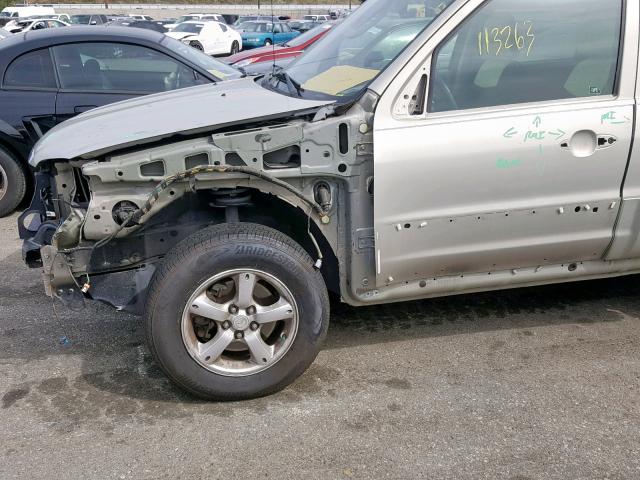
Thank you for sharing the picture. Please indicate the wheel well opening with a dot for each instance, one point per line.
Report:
(196, 211)
(273, 212)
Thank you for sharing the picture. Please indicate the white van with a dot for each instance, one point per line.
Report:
(21, 11)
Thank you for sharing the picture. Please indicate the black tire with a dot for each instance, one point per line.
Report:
(13, 183)
(213, 251)
(235, 48)
(268, 42)
(197, 46)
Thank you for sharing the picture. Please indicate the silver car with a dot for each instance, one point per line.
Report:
(422, 148)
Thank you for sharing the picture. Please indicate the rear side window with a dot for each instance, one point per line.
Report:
(512, 52)
(32, 70)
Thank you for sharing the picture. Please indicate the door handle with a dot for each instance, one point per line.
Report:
(84, 108)
(586, 142)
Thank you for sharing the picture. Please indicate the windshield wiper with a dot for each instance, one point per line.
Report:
(281, 75)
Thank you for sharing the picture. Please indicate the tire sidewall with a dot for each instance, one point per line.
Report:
(16, 183)
(182, 281)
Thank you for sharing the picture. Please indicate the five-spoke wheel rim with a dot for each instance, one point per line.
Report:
(240, 322)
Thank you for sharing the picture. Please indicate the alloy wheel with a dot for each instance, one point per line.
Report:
(240, 322)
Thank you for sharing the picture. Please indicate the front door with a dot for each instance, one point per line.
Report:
(518, 155)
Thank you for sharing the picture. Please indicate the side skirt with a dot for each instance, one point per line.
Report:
(503, 280)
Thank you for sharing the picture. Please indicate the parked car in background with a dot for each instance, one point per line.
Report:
(9, 13)
(303, 26)
(148, 25)
(135, 16)
(200, 17)
(230, 19)
(120, 21)
(62, 17)
(212, 38)
(89, 19)
(50, 76)
(57, 16)
(317, 18)
(260, 34)
(37, 24)
(261, 18)
(131, 22)
(167, 22)
(260, 60)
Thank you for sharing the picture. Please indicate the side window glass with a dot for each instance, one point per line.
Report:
(33, 70)
(518, 52)
(119, 67)
(277, 29)
(223, 27)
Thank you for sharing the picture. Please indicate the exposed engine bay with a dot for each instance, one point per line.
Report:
(99, 225)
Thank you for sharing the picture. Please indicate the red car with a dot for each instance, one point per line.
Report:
(276, 53)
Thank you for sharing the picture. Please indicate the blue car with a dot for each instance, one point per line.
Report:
(261, 33)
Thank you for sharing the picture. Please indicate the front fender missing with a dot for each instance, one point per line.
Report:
(145, 212)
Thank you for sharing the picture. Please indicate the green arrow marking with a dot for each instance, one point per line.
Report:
(537, 122)
(559, 134)
(510, 133)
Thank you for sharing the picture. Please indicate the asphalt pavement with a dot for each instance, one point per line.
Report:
(527, 384)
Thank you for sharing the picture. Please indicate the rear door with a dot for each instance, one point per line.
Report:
(96, 74)
(518, 155)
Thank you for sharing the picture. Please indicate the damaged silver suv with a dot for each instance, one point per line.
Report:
(422, 148)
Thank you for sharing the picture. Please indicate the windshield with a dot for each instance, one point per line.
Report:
(189, 27)
(195, 56)
(5, 14)
(311, 34)
(80, 19)
(353, 53)
(257, 27)
(186, 18)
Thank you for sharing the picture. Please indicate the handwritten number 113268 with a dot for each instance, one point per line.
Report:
(496, 40)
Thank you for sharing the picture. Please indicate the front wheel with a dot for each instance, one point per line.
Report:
(268, 42)
(235, 312)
